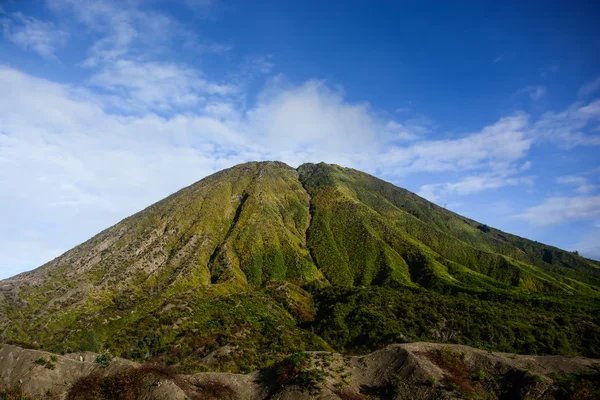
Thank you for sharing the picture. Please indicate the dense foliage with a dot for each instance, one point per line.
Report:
(363, 319)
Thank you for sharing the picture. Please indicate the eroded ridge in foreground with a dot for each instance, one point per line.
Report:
(405, 371)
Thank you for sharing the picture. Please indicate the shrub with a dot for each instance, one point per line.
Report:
(478, 376)
(310, 379)
(104, 359)
(46, 363)
(294, 371)
(578, 386)
(290, 367)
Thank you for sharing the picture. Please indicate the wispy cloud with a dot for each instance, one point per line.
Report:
(41, 37)
(549, 69)
(583, 185)
(472, 184)
(536, 92)
(589, 87)
(258, 64)
(216, 48)
(559, 210)
(145, 86)
(496, 147)
(569, 128)
(127, 30)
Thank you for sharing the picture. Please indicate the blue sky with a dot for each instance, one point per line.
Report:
(491, 109)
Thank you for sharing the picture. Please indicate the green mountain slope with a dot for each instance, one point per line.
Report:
(367, 231)
(261, 260)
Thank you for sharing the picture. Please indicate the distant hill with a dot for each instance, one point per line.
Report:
(260, 260)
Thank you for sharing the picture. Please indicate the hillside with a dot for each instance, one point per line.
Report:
(262, 260)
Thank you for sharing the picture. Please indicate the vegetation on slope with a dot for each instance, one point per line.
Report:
(262, 260)
(364, 319)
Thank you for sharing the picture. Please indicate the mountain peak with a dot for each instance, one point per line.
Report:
(266, 237)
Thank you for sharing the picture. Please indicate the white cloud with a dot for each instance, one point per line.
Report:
(313, 117)
(559, 210)
(41, 37)
(589, 87)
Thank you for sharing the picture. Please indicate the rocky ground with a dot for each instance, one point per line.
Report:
(403, 371)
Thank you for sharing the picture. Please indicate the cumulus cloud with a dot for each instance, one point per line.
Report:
(559, 210)
(41, 37)
(312, 116)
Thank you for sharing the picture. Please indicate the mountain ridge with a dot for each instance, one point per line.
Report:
(261, 249)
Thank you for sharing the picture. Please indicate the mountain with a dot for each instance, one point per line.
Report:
(261, 260)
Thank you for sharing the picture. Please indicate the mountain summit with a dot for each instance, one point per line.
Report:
(262, 259)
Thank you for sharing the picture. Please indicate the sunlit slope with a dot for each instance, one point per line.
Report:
(367, 231)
